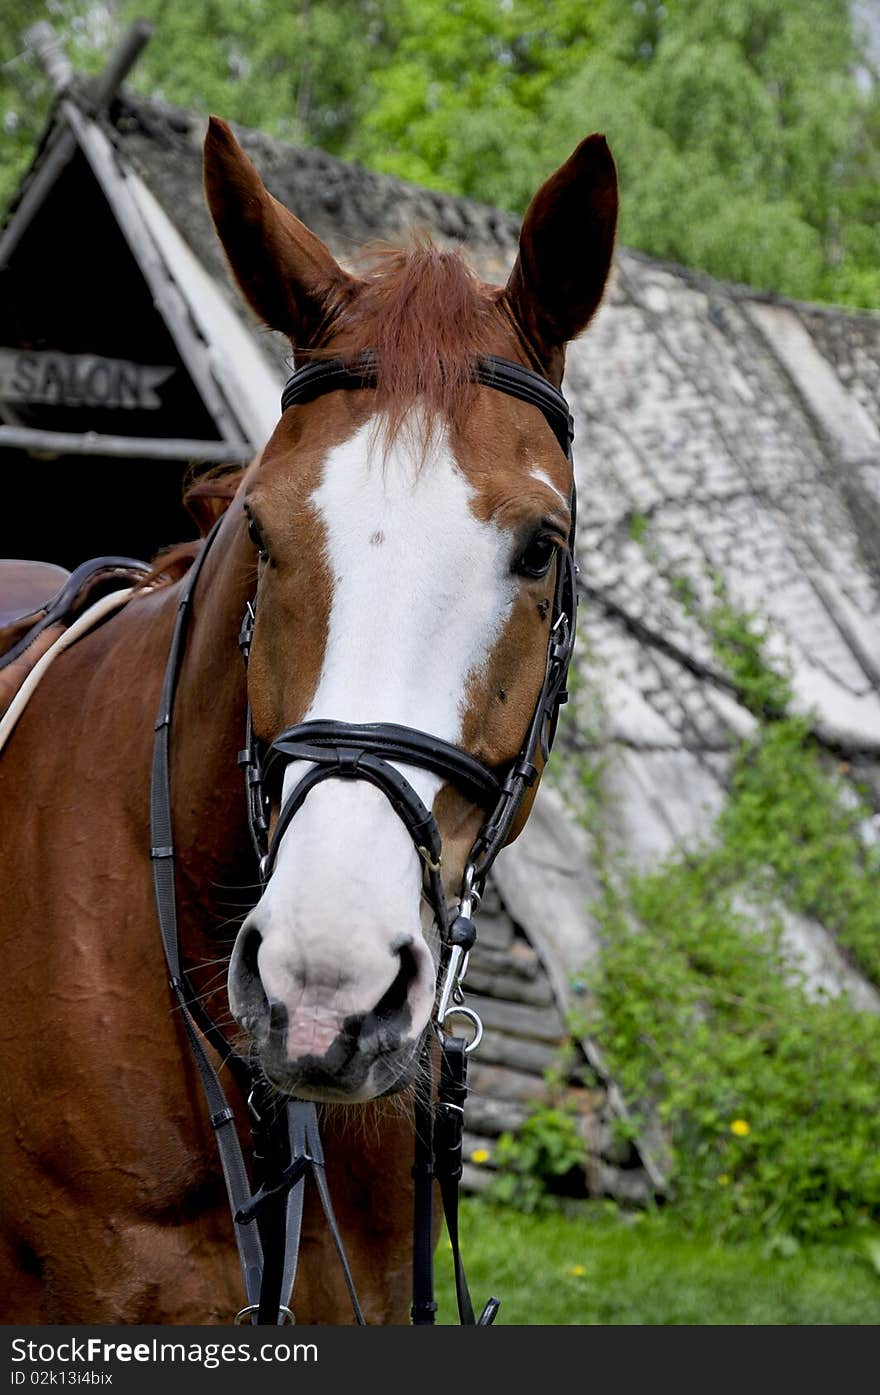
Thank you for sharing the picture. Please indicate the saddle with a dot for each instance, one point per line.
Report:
(39, 600)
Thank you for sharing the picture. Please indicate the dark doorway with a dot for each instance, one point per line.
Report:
(68, 509)
(73, 287)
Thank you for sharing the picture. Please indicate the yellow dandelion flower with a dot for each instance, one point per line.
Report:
(740, 1127)
(723, 1180)
(480, 1155)
(578, 1270)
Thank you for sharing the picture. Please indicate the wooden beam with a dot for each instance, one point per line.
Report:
(122, 60)
(48, 49)
(122, 447)
(41, 182)
(168, 297)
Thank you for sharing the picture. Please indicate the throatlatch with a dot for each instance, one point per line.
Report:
(286, 1138)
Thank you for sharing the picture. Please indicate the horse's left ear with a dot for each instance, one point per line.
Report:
(565, 249)
(291, 279)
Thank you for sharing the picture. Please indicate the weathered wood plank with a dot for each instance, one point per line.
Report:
(499, 1082)
(536, 992)
(475, 1180)
(122, 447)
(519, 958)
(494, 929)
(543, 1024)
(624, 1184)
(476, 1143)
(57, 155)
(492, 1117)
(521, 1053)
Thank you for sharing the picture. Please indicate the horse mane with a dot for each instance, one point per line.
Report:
(429, 317)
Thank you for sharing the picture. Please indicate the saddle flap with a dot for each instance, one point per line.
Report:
(25, 588)
(38, 596)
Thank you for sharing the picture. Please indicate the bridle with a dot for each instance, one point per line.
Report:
(345, 750)
(286, 1139)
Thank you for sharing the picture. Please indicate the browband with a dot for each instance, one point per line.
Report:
(328, 375)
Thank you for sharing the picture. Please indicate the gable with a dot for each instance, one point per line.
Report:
(107, 395)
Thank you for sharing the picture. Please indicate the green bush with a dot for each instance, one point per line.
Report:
(768, 1091)
(546, 1151)
(769, 1095)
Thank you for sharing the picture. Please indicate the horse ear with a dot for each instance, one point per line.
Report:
(565, 249)
(288, 275)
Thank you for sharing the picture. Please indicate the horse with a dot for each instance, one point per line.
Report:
(396, 545)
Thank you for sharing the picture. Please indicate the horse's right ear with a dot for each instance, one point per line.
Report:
(289, 277)
(565, 249)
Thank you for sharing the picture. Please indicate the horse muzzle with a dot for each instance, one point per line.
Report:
(320, 1031)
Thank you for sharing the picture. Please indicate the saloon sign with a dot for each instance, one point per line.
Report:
(78, 380)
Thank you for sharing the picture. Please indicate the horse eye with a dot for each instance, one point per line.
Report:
(256, 538)
(535, 559)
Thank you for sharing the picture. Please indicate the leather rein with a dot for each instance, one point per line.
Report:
(286, 1144)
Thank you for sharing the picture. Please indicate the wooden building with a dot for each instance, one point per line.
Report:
(111, 385)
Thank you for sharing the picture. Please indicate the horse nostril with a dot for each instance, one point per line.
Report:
(393, 1003)
(250, 949)
(250, 995)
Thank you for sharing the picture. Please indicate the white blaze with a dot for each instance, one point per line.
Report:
(421, 590)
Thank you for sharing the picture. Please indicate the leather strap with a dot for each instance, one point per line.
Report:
(448, 1128)
(162, 854)
(424, 1306)
(392, 742)
(316, 1152)
(336, 374)
(278, 1208)
(346, 764)
(268, 1268)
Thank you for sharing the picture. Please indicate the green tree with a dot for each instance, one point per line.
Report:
(464, 102)
(745, 143)
(25, 94)
(299, 69)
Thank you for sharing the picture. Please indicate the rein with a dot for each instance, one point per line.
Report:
(285, 1136)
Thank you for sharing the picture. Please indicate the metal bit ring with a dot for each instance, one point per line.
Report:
(460, 1011)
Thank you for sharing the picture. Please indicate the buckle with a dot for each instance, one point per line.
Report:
(245, 1316)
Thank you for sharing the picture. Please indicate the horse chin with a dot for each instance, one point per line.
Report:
(361, 1077)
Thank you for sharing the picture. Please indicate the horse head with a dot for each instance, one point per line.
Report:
(409, 530)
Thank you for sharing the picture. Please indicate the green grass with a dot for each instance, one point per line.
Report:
(649, 1270)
